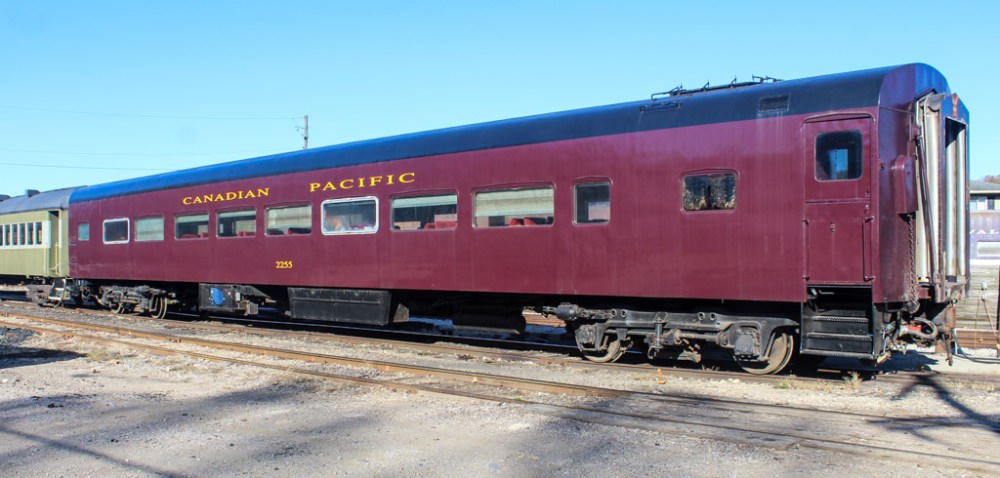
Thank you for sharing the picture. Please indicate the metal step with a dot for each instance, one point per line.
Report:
(838, 335)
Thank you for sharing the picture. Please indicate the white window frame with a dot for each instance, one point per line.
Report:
(322, 214)
(128, 230)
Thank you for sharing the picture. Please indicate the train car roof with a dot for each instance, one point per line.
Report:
(48, 200)
(858, 89)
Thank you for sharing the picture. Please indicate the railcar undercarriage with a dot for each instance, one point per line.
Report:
(762, 338)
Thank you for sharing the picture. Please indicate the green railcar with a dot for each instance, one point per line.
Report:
(34, 237)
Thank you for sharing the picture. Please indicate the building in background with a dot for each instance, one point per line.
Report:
(984, 209)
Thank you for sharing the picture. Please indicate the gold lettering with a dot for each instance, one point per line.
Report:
(219, 197)
(314, 186)
(374, 180)
(263, 193)
(361, 182)
(329, 186)
(411, 175)
(197, 200)
(351, 181)
(207, 198)
(187, 201)
(231, 196)
(250, 195)
(390, 180)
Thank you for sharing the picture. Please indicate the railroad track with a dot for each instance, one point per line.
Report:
(558, 355)
(767, 425)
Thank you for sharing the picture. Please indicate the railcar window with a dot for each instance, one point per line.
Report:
(515, 207)
(30, 236)
(191, 226)
(709, 192)
(116, 231)
(350, 216)
(21, 240)
(425, 212)
(839, 156)
(242, 223)
(288, 220)
(83, 231)
(149, 229)
(3, 234)
(39, 236)
(592, 203)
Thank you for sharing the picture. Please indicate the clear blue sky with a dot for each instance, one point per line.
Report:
(94, 91)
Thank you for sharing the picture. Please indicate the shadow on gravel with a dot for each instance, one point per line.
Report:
(987, 422)
(153, 433)
(24, 357)
(12, 354)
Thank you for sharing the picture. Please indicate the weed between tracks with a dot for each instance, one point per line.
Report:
(851, 381)
(106, 356)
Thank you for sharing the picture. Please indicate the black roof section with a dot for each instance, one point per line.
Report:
(856, 89)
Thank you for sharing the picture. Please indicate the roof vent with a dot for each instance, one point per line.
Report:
(31, 192)
(773, 104)
(4, 197)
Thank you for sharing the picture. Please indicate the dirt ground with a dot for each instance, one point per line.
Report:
(69, 408)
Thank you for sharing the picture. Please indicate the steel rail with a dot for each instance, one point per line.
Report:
(390, 367)
(590, 414)
(901, 379)
(471, 377)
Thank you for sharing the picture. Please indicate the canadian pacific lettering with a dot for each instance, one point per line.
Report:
(363, 182)
(227, 196)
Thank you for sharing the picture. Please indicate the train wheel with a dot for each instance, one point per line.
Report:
(121, 308)
(159, 310)
(782, 349)
(615, 350)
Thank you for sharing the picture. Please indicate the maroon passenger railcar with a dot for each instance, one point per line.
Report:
(825, 216)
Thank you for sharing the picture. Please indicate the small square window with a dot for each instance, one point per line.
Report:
(839, 156)
(593, 203)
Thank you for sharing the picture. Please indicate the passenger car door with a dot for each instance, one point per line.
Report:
(838, 220)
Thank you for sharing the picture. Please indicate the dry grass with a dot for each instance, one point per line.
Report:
(105, 356)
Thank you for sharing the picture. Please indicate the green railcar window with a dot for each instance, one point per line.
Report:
(83, 231)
